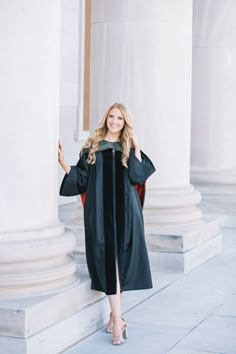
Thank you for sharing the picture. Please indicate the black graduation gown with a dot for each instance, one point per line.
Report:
(113, 218)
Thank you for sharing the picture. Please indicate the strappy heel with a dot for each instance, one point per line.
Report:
(117, 340)
(125, 332)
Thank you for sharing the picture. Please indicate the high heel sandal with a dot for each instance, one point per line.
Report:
(124, 334)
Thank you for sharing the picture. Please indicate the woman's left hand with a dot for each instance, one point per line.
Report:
(134, 141)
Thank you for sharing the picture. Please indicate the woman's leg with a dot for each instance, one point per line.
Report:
(113, 301)
(115, 304)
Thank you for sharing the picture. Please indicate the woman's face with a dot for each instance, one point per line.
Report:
(115, 121)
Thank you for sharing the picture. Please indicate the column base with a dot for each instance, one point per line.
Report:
(220, 208)
(185, 261)
(36, 261)
(73, 216)
(177, 238)
(218, 189)
(50, 324)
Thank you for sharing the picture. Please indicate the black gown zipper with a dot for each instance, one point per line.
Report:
(114, 214)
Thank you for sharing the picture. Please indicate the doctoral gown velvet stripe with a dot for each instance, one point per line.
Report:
(113, 218)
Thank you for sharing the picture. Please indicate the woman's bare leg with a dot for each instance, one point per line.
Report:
(111, 300)
(115, 300)
(115, 304)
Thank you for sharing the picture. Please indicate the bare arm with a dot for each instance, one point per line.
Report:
(136, 147)
(66, 167)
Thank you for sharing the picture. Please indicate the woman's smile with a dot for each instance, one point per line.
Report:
(115, 121)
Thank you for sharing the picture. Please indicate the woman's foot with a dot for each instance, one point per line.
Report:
(109, 328)
(119, 330)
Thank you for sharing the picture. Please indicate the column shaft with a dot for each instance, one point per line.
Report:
(144, 56)
(213, 161)
(34, 247)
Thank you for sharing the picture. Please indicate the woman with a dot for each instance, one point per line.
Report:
(110, 176)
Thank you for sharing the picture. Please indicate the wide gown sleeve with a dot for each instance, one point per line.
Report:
(76, 181)
(139, 171)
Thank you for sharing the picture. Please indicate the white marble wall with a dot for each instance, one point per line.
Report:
(141, 55)
(213, 142)
(214, 86)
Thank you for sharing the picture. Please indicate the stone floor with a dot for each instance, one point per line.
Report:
(193, 314)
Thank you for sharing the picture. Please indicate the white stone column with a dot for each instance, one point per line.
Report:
(34, 247)
(142, 56)
(213, 150)
(43, 301)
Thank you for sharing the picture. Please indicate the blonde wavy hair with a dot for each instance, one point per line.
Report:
(125, 137)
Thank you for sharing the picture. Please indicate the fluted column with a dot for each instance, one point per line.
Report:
(213, 157)
(34, 247)
(142, 56)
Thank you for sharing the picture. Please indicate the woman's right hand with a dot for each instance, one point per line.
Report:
(61, 159)
(60, 153)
